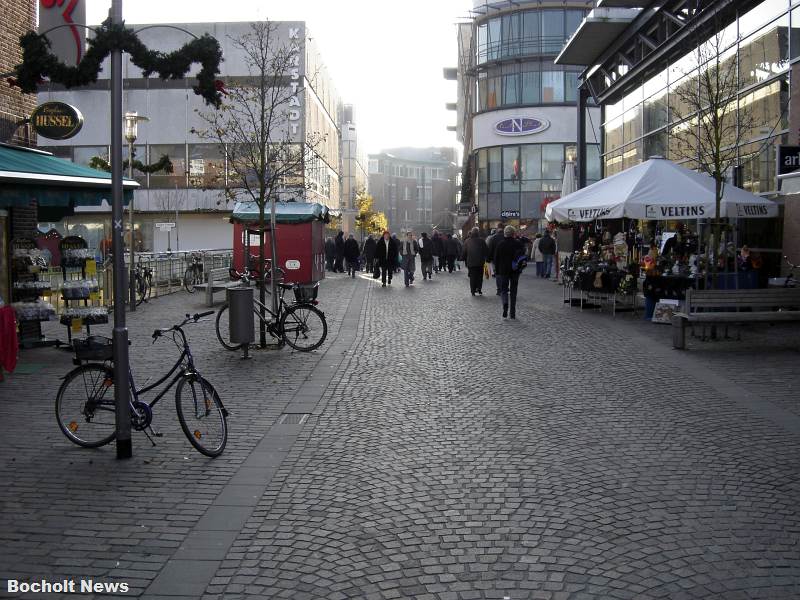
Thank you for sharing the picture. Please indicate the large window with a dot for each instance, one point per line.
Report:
(177, 155)
(536, 84)
(206, 166)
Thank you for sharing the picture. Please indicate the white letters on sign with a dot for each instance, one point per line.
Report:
(292, 265)
(294, 73)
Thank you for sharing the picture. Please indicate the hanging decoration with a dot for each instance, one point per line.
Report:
(163, 164)
(38, 62)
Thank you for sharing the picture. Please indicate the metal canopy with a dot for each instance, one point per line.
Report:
(600, 28)
(285, 212)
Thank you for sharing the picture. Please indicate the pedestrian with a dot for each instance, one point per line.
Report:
(438, 251)
(505, 254)
(451, 252)
(386, 257)
(426, 256)
(476, 253)
(547, 246)
(536, 256)
(491, 243)
(397, 244)
(330, 253)
(460, 252)
(369, 253)
(408, 257)
(351, 254)
(338, 265)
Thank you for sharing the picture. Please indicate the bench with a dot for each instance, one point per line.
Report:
(735, 306)
(217, 280)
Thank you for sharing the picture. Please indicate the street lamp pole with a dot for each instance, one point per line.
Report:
(122, 415)
(131, 133)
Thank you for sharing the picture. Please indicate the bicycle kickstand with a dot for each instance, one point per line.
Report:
(154, 432)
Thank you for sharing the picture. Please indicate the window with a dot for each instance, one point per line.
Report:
(511, 35)
(552, 159)
(494, 41)
(140, 154)
(206, 166)
(764, 54)
(511, 89)
(574, 18)
(495, 166)
(482, 40)
(552, 31)
(531, 87)
(571, 86)
(511, 168)
(552, 86)
(176, 154)
(531, 159)
(64, 152)
(483, 170)
(83, 154)
(593, 162)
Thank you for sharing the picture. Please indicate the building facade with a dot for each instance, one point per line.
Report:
(354, 177)
(415, 187)
(640, 59)
(516, 108)
(193, 196)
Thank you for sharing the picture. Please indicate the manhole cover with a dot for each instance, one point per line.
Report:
(293, 418)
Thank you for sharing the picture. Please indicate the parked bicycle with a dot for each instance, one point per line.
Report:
(194, 272)
(85, 406)
(144, 283)
(300, 323)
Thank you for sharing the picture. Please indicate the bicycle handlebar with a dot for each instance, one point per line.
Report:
(189, 318)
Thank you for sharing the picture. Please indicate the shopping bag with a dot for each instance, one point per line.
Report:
(486, 273)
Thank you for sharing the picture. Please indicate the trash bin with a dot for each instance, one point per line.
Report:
(240, 315)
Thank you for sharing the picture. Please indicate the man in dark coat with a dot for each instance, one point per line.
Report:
(504, 254)
(426, 256)
(386, 257)
(338, 266)
(475, 255)
(438, 252)
(351, 254)
(547, 246)
(451, 252)
(369, 253)
(408, 257)
(330, 253)
(495, 238)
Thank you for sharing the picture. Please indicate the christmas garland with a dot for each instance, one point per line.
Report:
(38, 62)
(163, 164)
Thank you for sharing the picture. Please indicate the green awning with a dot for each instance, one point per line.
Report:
(285, 212)
(27, 174)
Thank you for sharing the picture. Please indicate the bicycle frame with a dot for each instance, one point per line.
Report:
(185, 354)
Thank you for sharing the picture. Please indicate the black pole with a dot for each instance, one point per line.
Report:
(583, 95)
(120, 337)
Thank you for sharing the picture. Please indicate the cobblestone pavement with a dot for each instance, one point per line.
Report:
(447, 454)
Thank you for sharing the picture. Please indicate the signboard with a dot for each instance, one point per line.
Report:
(292, 265)
(659, 212)
(521, 126)
(56, 120)
(509, 214)
(165, 226)
(788, 159)
(69, 40)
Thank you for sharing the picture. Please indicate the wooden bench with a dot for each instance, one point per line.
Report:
(735, 306)
(217, 280)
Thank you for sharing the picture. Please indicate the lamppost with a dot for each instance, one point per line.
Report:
(131, 133)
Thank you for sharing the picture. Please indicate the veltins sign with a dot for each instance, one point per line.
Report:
(788, 159)
(521, 126)
(659, 212)
(56, 120)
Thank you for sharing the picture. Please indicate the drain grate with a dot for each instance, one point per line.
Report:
(293, 418)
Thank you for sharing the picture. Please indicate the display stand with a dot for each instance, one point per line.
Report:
(26, 290)
(77, 288)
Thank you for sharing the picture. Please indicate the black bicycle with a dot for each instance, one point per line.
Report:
(194, 273)
(300, 323)
(144, 283)
(85, 406)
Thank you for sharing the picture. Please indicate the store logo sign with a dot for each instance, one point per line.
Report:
(521, 126)
(674, 212)
(752, 210)
(587, 214)
(56, 120)
(510, 214)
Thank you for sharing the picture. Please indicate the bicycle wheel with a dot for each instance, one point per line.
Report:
(85, 406)
(303, 327)
(143, 288)
(223, 330)
(201, 415)
(189, 280)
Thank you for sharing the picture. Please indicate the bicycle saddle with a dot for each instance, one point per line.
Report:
(285, 286)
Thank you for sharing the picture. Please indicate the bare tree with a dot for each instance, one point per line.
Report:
(259, 127)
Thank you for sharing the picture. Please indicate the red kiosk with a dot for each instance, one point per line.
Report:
(300, 238)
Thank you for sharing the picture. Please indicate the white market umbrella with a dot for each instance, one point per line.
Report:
(569, 184)
(657, 189)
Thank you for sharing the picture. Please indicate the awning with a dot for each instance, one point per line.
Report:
(27, 174)
(285, 212)
(598, 30)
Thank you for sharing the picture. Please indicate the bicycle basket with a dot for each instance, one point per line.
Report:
(95, 347)
(306, 293)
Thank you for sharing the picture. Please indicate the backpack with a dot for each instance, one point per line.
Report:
(519, 263)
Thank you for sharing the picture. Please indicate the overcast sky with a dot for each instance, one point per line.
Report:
(386, 58)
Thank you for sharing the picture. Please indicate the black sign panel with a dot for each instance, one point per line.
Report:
(788, 159)
(56, 120)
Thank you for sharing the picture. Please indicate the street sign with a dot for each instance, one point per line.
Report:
(165, 226)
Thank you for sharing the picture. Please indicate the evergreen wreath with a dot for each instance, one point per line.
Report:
(163, 164)
(38, 62)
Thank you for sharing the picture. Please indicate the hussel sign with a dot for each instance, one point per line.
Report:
(675, 212)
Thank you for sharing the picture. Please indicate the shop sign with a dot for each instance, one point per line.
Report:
(674, 212)
(521, 126)
(292, 265)
(585, 214)
(56, 120)
(752, 210)
(788, 159)
(509, 214)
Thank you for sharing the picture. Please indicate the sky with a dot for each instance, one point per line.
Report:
(386, 58)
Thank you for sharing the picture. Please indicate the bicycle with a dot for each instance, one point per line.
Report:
(194, 273)
(85, 406)
(144, 283)
(300, 324)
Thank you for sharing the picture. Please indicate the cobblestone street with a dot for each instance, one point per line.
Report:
(447, 454)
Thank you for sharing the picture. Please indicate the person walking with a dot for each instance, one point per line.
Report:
(451, 252)
(408, 258)
(338, 265)
(459, 251)
(505, 254)
(351, 254)
(547, 246)
(397, 243)
(476, 253)
(369, 254)
(438, 251)
(536, 255)
(386, 257)
(330, 253)
(426, 256)
(491, 243)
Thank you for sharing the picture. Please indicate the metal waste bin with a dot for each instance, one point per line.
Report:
(240, 315)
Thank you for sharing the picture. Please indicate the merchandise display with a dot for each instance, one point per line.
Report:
(90, 315)
(38, 310)
(79, 289)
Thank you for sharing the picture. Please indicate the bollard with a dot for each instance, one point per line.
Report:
(240, 317)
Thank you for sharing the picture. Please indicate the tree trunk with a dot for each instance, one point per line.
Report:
(262, 292)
